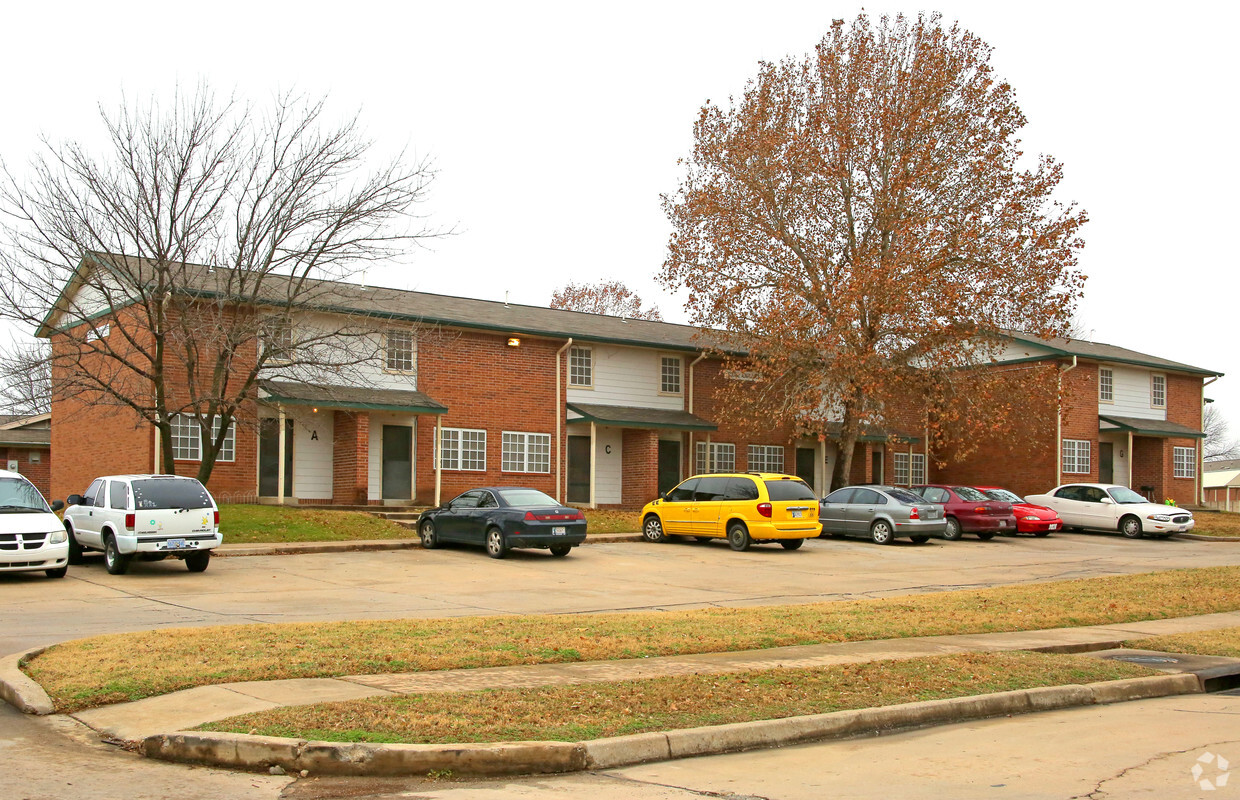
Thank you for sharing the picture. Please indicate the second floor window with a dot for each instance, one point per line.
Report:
(276, 339)
(1106, 385)
(401, 355)
(669, 380)
(1158, 391)
(580, 367)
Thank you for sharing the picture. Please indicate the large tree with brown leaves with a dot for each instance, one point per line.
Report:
(863, 222)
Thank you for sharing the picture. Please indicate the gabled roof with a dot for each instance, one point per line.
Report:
(1221, 465)
(26, 437)
(23, 421)
(1098, 351)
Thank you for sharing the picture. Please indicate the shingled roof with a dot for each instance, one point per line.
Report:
(1098, 351)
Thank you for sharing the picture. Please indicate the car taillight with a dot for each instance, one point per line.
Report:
(130, 521)
(529, 516)
(573, 516)
(217, 518)
(764, 509)
(913, 513)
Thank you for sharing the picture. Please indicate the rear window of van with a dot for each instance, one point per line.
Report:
(789, 490)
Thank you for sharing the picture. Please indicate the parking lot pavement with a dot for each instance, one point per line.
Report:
(605, 577)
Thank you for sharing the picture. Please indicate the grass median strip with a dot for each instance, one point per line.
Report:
(1217, 523)
(598, 710)
(256, 524)
(120, 667)
(1221, 642)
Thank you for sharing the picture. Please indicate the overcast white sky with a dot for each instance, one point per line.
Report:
(556, 126)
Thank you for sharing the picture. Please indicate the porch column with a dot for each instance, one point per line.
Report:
(280, 476)
(593, 459)
(1130, 459)
(437, 456)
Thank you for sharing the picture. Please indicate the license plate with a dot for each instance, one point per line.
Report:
(1003, 523)
(796, 513)
(558, 531)
(175, 544)
(1182, 528)
(1054, 526)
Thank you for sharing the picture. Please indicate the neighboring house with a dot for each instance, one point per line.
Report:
(26, 447)
(1222, 484)
(601, 411)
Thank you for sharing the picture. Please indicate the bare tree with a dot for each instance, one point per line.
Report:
(26, 379)
(1218, 444)
(603, 297)
(181, 265)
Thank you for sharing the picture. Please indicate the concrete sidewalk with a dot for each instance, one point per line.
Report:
(191, 707)
(295, 548)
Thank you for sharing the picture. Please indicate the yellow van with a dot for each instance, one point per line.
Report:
(744, 507)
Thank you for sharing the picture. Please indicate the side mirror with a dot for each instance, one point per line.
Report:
(57, 505)
(1107, 501)
(663, 496)
(74, 500)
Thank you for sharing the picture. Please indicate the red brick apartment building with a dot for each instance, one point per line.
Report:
(25, 447)
(606, 411)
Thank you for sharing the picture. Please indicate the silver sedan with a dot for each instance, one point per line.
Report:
(880, 513)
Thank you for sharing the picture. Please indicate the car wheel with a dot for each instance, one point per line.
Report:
(920, 539)
(880, 532)
(1130, 526)
(113, 559)
(652, 529)
(496, 546)
(792, 544)
(59, 572)
(75, 549)
(1041, 534)
(952, 532)
(738, 537)
(560, 550)
(197, 562)
(426, 532)
(985, 537)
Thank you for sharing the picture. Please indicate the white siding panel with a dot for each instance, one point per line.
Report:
(607, 475)
(1132, 395)
(369, 372)
(629, 376)
(312, 457)
(1016, 350)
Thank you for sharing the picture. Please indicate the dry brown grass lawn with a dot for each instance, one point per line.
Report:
(589, 711)
(119, 667)
(1222, 642)
(1217, 523)
(607, 520)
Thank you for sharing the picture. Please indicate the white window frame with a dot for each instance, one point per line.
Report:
(459, 449)
(1077, 454)
(671, 369)
(765, 458)
(1184, 462)
(525, 452)
(720, 457)
(400, 362)
(1106, 378)
(917, 469)
(1158, 386)
(187, 439)
(901, 469)
(581, 367)
(278, 333)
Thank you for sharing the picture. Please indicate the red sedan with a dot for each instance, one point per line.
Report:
(969, 511)
(1038, 520)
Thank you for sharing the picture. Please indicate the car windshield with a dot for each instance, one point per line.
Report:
(526, 498)
(908, 498)
(969, 493)
(789, 490)
(166, 493)
(1004, 495)
(18, 496)
(1122, 494)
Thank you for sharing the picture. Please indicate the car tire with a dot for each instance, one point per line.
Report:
(738, 537)
(428, 535)
(75, 549)
(58, 572)
(496, 546)
(792, 544)
(952, 532)
(1130, 526)
(561, 550)
(985, 537)
(197, 562)
(652, 529)
(880, 532)
(116, 562)
(920, 538)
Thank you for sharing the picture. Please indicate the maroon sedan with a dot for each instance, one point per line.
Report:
(969, 511)
(1038, 520)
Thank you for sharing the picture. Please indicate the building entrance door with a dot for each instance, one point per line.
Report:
(669, 464)
(1106, 462)
(806, 456)
(397, 462)
(269, 458)
(579, 469)
(876, 471)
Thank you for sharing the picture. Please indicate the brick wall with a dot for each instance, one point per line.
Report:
(350, 457)
(709, 382)
(640, 471)
(37, 472)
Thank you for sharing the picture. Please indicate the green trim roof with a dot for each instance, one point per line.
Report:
(638, 417)
(1150, 427)
(357, 399)
(1099, 351)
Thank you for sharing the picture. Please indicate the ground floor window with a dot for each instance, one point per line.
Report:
(1076, 456)
(766, 458)
(464, 449)
(902, 468)
(1185, 462)
(716, 457)
(918, 468)
(187, 439)
(526, 452)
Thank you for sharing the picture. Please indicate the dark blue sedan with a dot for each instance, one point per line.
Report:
(501, 518)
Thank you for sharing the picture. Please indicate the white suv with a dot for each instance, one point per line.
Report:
(150, 516)
(30, 534)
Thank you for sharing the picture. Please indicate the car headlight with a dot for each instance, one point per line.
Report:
(1030, 518)
(57, 537)
(1159, 517)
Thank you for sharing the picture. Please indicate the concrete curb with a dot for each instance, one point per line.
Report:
(242, 751)
(1196, 537)
(300, 548)
(18, 690)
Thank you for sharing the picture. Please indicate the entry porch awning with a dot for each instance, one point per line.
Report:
(1147, 427)
(637, 417)
(348, 397)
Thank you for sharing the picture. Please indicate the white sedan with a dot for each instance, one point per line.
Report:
(1109, 507)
